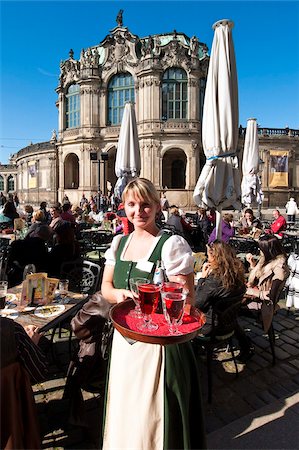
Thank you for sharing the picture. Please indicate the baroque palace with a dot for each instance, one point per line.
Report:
(165, 76)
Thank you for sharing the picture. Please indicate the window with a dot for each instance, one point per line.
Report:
(202, 89)
(1, 183)
(174, 94)
(174, 169)
(73, 106)
(10, 183)
(120, 91)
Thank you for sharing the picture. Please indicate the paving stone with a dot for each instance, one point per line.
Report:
(254, 401)
(292, 334)
(288, 368)
(291, 349)
(266, 396)
(281, 354)
(295, 363)
(279, 391)
(287, 339)
(287, 323)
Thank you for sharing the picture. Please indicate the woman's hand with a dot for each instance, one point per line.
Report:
(33, 333)
(122, 294)
(206, 270)
(250, 259)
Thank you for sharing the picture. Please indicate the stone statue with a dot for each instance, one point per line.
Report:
(194, 46)
(119, 18)
(54, 136)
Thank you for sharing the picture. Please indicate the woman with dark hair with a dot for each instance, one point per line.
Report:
(271, 271)
(222, 278)
(8, 214)
(266, 280)
(249, 221)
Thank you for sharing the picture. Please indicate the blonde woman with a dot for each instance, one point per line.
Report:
(153, 395)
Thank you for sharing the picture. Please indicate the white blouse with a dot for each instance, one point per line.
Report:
(176, 254)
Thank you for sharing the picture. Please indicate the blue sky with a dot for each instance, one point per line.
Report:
(37, 35)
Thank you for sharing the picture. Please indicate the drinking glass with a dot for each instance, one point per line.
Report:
(173, 309)
(3, 292)
(28, 269)
(136, 312)
(149, 295)
(63, 288)
(172, 286)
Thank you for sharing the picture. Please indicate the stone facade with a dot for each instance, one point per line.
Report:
(81, 158)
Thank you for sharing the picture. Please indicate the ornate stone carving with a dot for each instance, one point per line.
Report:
(194, 46)
(119, 18)
(120, 49)
(89, 59)
(176, 54)
(69, 70)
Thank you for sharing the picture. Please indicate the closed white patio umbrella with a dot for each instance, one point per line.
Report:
(127, 164)
(250, 186)
(219, 182)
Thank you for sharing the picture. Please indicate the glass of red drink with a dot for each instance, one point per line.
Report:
(136, 312)
(149, 295)
(173, 309)
(172, 286)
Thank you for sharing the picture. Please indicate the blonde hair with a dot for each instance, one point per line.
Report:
(142, 189)
(38, 216)
(226, 266)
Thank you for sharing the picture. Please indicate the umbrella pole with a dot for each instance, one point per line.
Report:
(219, 224)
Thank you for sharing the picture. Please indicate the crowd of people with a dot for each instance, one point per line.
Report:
(153, 392)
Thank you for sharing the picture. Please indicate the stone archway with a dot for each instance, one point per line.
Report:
(174, 169)
(71, 171)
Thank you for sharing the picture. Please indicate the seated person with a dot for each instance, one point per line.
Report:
(8, 214)
(67, 214)
(268, 276)
(56, 219)
(279, 224)
(66, 248)
(95, 216)
(222, 278)
(32, 250)
(228, 230)
(38, 219)
(22, 362)
(203, 223)
(249, 221)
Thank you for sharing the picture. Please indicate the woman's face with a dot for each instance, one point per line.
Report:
(248, 216)
(140, 212)
(210, 254)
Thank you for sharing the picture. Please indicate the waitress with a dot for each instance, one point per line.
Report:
(153, 396)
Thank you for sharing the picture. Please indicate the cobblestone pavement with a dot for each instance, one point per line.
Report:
(258, 384)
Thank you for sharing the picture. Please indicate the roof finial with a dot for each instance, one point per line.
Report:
(119, 18)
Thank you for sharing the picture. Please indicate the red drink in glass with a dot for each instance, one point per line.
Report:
(171, 286)
(148, 297)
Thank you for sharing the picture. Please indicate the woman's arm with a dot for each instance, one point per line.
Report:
(188, 281)
(110, 293)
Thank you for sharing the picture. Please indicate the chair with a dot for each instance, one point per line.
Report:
(84, 277)
(224, 319)
(244, 245)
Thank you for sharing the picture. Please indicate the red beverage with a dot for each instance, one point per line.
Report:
(174, 305)
(148, 297)
(171, 286)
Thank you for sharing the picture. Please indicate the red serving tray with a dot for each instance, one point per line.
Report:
(127, 325)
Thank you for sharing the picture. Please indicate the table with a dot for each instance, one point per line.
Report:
(46, 323)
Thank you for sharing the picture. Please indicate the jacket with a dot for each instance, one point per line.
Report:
(209, 294)
(270, 279)
(227, 233)
(291, 207)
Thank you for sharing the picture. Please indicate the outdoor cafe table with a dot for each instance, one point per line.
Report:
(75, 302)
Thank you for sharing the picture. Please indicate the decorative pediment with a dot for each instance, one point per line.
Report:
(175, 53)
(120, 49)
(89, 59)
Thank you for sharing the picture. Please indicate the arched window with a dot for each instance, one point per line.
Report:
(72, 109)
(10, 183)
(174, 94)
(174, 169)
(71, 171)
(1, 183)
(120, 91)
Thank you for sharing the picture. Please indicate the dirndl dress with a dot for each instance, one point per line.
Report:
(153, 397)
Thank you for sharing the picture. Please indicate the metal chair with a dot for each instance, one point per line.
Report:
(224, 319)
(83, 276)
